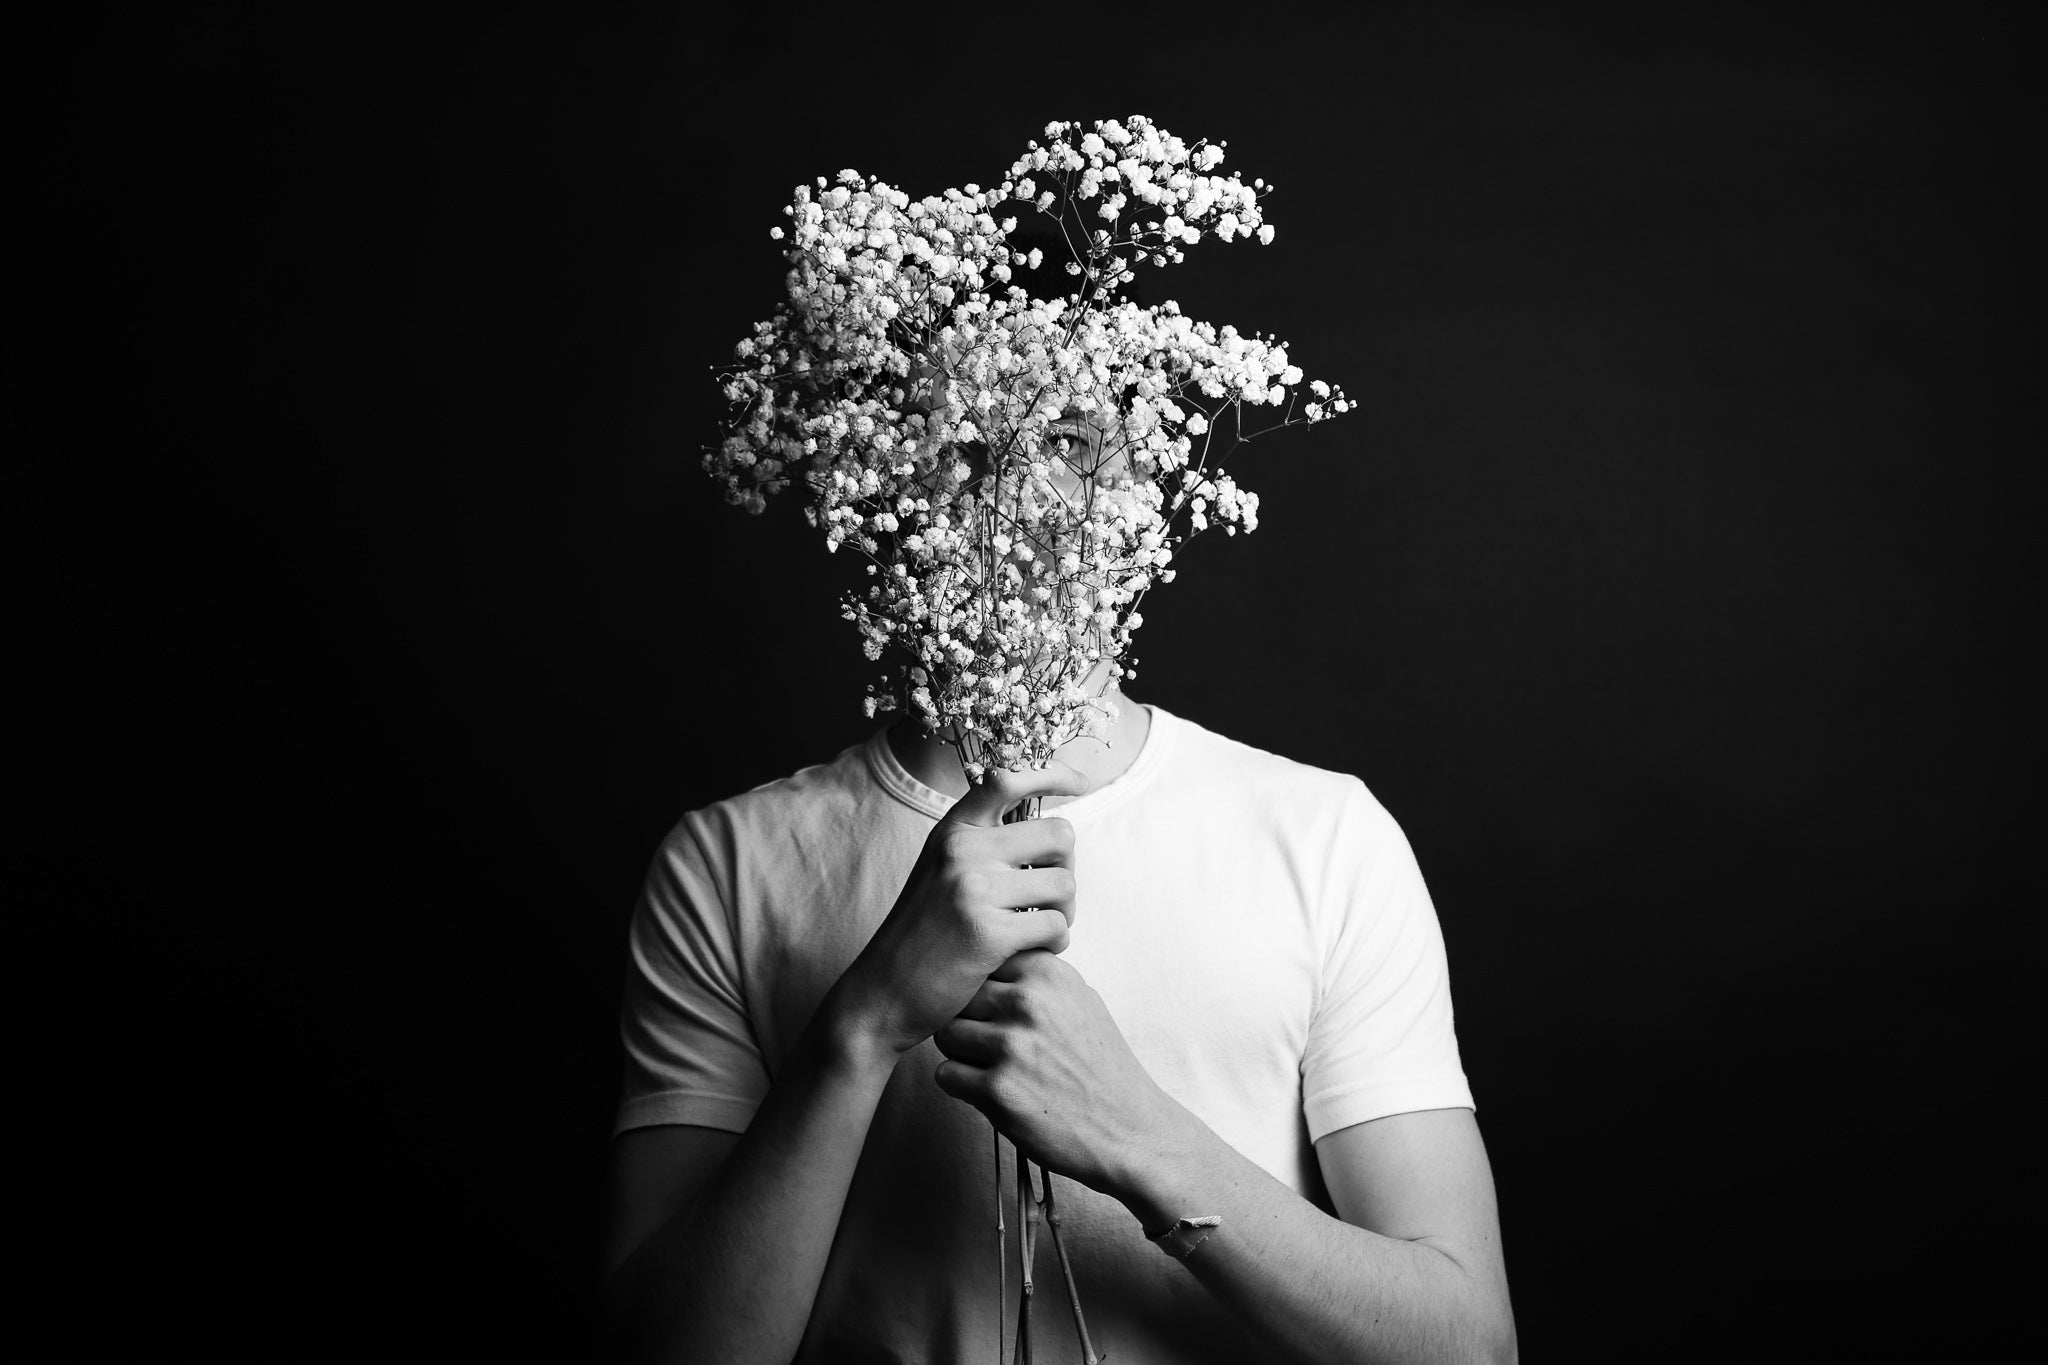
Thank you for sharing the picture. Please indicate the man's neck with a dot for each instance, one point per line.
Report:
(936, 763)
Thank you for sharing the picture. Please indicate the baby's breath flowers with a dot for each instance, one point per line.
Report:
(1017, 470)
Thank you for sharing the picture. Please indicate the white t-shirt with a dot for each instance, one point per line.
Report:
(1258, 929)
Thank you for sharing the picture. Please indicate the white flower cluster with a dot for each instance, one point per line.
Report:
(1017, 470)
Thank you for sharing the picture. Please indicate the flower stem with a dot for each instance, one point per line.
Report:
(1002, 1247)
(1052, 1219)
(1027, 1244)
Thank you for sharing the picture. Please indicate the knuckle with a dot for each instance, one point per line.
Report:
(1063, 883)
(1061, 832)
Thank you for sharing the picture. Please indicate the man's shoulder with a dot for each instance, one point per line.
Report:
(783, 808)
(1217, 760)
(1296, 804)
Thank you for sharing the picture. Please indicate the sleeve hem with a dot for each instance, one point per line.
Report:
(1361, 1104)
(692, 1107)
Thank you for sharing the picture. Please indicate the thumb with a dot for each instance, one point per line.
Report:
(1000, 789)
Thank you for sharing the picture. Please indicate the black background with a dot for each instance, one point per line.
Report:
(1666, 587)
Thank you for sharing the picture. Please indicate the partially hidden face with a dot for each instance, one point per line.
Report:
(1058, 490)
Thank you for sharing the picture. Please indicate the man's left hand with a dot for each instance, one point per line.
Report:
(1037, 1051)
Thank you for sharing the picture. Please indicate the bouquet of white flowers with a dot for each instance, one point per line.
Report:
(1018, 470)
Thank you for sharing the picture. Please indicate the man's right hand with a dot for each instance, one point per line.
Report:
(719, 1241)
(981, 892)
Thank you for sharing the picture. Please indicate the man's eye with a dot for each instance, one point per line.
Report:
(1074, 445)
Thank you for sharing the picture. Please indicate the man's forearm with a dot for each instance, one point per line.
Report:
(1312, 1287)
(733, 1275)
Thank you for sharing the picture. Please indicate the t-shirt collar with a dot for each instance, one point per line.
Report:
(895, 779)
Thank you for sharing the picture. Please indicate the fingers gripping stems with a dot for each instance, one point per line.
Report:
(957, 917)
(988, 801)
(1023, 811)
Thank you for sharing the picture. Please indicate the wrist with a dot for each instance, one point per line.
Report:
(1153, 1181)
(853, 1038)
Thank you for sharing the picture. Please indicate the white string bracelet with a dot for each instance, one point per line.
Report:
(1187, 1234)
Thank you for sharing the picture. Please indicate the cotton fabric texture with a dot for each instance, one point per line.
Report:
(1258, 929)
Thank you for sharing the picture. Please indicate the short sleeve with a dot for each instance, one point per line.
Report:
(1381, 1040)
(691, 1053)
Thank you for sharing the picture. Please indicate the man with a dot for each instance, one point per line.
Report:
(1207, 985)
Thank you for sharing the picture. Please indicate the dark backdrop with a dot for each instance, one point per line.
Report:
(1665, 586)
